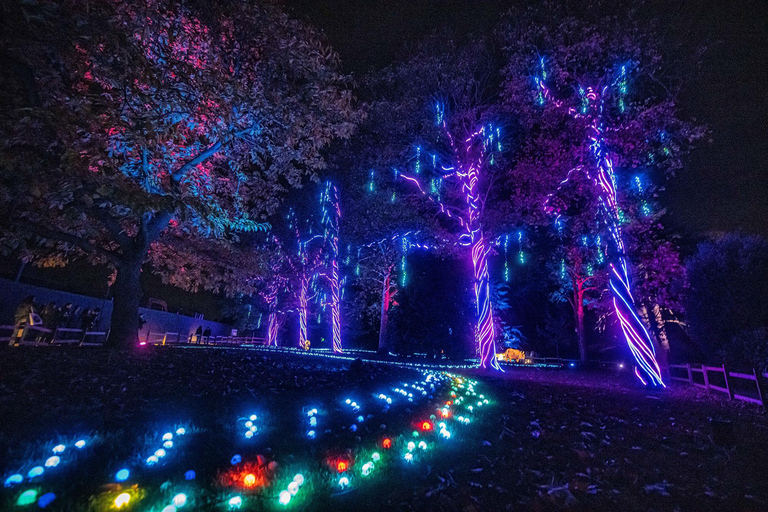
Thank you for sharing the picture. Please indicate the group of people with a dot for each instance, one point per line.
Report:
(52, 316)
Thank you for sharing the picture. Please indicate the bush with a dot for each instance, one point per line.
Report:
(726, 303)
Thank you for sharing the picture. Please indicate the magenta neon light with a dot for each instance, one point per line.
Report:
(331, 197)
(467, 169)
(635, 334)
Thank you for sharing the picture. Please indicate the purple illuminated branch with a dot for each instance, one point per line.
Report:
(636, 335)
(469, 162)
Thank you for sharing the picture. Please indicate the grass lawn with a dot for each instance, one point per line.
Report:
(547, 440)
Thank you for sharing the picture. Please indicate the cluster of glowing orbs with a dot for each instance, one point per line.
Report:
(80, 444)
(52, 462)
(252, 429)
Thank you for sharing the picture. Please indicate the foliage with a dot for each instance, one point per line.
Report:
(124, 120)
(727, 297)
(587, 56)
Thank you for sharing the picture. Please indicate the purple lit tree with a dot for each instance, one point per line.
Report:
(448, 171)
(152, 127)
(601, 87)
(331, 220)
(308, 256)
(467, 163)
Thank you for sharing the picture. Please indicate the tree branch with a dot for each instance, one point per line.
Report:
(62, 236)
(205, 155)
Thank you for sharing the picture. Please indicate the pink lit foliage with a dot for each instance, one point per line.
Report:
(149, 128)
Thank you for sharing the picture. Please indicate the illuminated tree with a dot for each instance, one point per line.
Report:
(330, 220)
(308, 258)
(131, 127)
(603, 83)
(447, 155)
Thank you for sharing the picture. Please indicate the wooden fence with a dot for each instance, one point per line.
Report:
(738, 386)
(174, 338)
(41, 336)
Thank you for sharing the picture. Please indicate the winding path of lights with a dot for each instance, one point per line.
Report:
(439, 406)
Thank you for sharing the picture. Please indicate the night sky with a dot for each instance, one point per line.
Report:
(725, 184)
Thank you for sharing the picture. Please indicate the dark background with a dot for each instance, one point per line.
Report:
(725, 185)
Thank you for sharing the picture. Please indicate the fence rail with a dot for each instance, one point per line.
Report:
(731, 381)
(174, 338)
(41, 336)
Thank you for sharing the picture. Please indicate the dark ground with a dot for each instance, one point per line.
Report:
(551, 439)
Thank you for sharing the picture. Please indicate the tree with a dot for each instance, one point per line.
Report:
(444, 97)
(602, 78)
(128, 127)
(579, 270)
(728, 292)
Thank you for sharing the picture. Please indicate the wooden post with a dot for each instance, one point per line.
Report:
(728, 383)
(706, 377)
(690, 375)
(758, 381)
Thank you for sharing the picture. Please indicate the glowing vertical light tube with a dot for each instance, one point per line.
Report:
(417, 166)
(506, 258)
(303, 307)
(403, 257)
(332, 218)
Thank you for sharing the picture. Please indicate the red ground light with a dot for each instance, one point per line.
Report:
(387, 443)
(426, 426)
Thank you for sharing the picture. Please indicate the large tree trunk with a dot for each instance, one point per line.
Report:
(662, 354)
(383, 335)
(485, 335)
(578, 313)
(304, 284)
(124, 332)
(660, 328)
